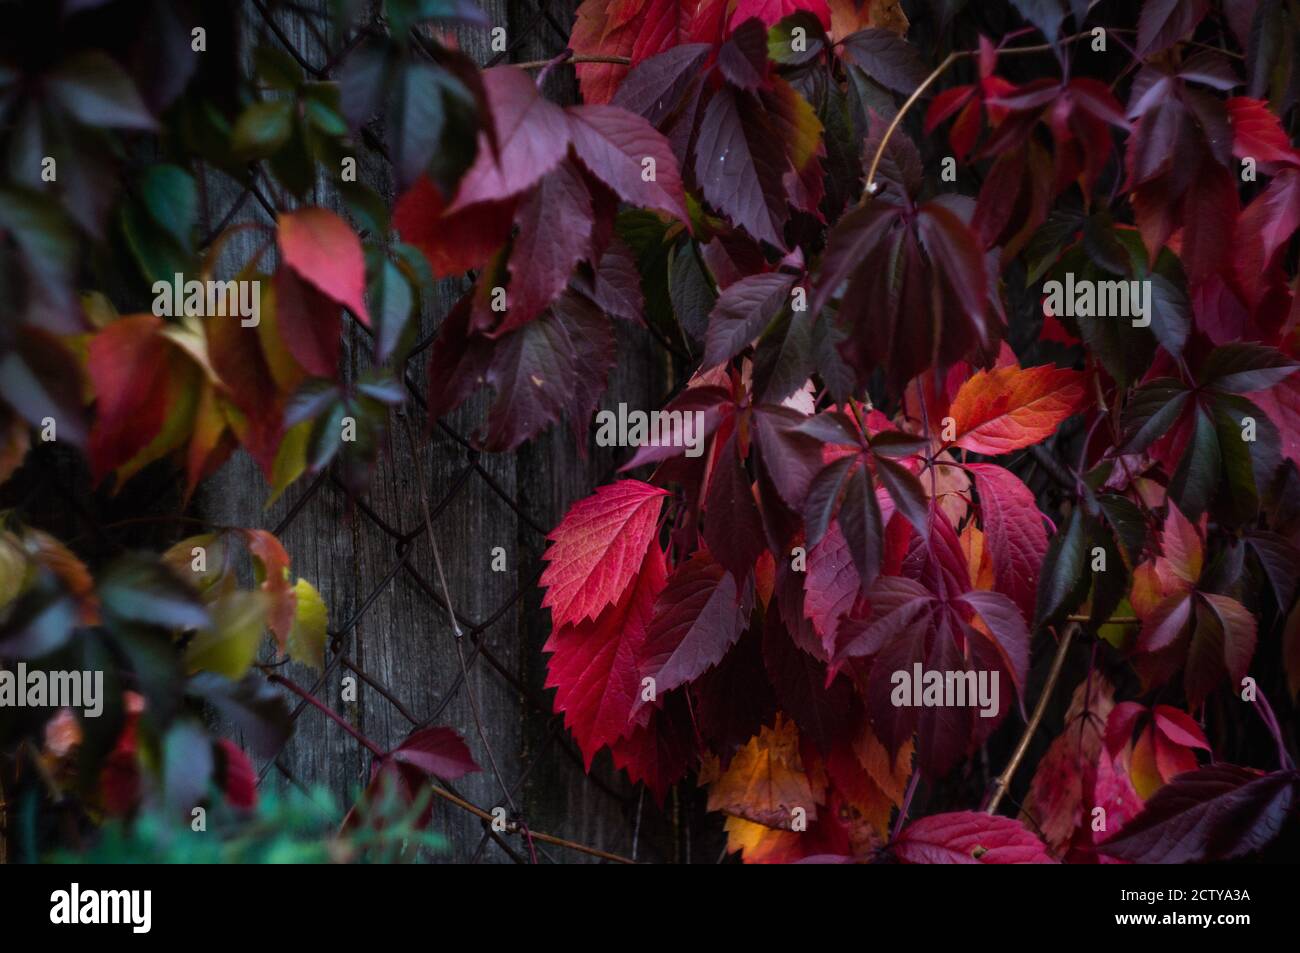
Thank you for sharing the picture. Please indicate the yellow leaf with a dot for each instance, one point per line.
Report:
(306, 641)
(230, 645)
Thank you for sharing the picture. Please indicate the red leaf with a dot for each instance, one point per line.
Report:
(1059, 798)
(238, 779)
(1179, 727)
(128, 369)
(1257, 133)
(438, 750)
(598, 548)
(274, 560)
(658, 752)
(594, 665)
(1009, 408)
(968, 837)
(453, 243)
(325, 252)
(1013, 527)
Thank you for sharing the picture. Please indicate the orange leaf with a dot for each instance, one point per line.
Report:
(268, 551)
(766, 781)
(1009, 408)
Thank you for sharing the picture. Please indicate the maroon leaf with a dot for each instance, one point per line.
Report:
(740, 165)
(742, 311)
(615, 145)
(1220, 812)
(824, 713)
(743, 58)
(438, 751)
(555, 223)
(887, 58)
(1164, 22)
(698, 616)
(555, 365)
(310, 324)
(732, 525)
(532, 137)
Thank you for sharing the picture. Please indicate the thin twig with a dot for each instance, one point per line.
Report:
(939, 70)
(542, 64)
(1004, 779)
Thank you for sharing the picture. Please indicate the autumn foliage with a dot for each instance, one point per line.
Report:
(839, 220)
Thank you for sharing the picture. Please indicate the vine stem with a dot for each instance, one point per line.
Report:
(906, 805)
(1270, 721)
(1058, 663)
(542, 64)
(939, 70)
(328, 712)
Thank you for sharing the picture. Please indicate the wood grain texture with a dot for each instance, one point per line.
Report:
(404, 640)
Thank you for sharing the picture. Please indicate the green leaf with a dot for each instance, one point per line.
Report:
(392, 304)
(780, 39)
(172, 200)
(276, 68)
(1196, 479)
(1240, 368)
(1151, 412)
(263, 128)
(154, 249)
(1066, 575)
